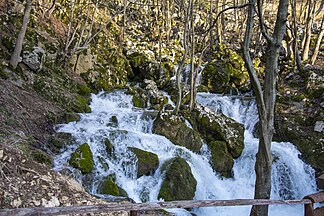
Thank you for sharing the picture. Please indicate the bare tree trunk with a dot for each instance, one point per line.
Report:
(265, 100)
(297, 58)
(192, 58)
(308, 32)
(318, 43)
(14, 60)
(181, 64)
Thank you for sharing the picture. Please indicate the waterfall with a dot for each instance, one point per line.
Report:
(292, 179)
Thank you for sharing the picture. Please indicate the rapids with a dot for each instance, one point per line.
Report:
(291, 177)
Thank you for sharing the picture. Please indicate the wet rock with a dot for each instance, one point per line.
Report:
(108, 186)
(177, 131)
(109, 146)
(217, 127)
(82, 159)
(147, 162)
(221, 161)
(179, 182)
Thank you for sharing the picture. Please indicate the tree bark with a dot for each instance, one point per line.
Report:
(181, 64)
(14, 60)
(192, 58)
(265, 99)
(308, 32)
(318, 43)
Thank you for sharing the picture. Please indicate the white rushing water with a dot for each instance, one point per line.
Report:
(292, 179)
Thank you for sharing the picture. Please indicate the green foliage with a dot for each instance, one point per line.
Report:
(82, 159)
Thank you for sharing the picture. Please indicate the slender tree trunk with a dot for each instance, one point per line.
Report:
(308, 32)
(181, 64)
(192, 58)
(14, 60)
(265, 99)
(297, 58)
(318, 43)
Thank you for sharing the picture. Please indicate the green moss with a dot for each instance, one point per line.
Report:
(221, 160)
(3, 75)
(109, 186)
(138, 101)
(82, 159)
(81, 104)
(202, 88)
(179, 183)
(147, 162)
(71, 117)
(83, 89)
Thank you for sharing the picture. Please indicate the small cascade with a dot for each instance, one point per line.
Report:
(292, 179)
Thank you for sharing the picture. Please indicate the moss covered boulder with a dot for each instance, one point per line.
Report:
(82, 159)
(216, 77)
(179, 182)
(215, 126)
(177, 130)
(108, 186)
(221, 161)
(147, 162)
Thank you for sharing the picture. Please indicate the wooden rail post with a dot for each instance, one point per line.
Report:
(314, 198)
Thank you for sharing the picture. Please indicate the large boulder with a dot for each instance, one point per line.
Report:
(145, 68)
(108, 186)
(216, 126)
(177, 130)
(82, 159)
(147, 162)
(221, 160)
(216, 76)
(179, 182)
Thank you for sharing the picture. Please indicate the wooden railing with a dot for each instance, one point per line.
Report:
(308, 202)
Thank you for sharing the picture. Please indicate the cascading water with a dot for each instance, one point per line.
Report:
(292, 179)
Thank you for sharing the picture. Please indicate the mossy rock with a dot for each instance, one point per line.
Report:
(179, 182)
(222, 162)
(109, 186)
(176, 130)
(216, 76)
(82, 159)
(218, 127)
(109, 146)
(202, 88)
(138, 101)
(83, 89)
(81, 104)
(147, 162)
(71, 117)
(59, 140)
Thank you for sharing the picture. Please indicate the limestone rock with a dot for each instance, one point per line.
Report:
(177, 131)
(34, 59)
(147, 162)
(221, 160)
(179, 182)
(82, 159)
(217, 127)
(319, 126)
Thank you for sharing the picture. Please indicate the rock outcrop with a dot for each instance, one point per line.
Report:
(177, 131)
(179, 183)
